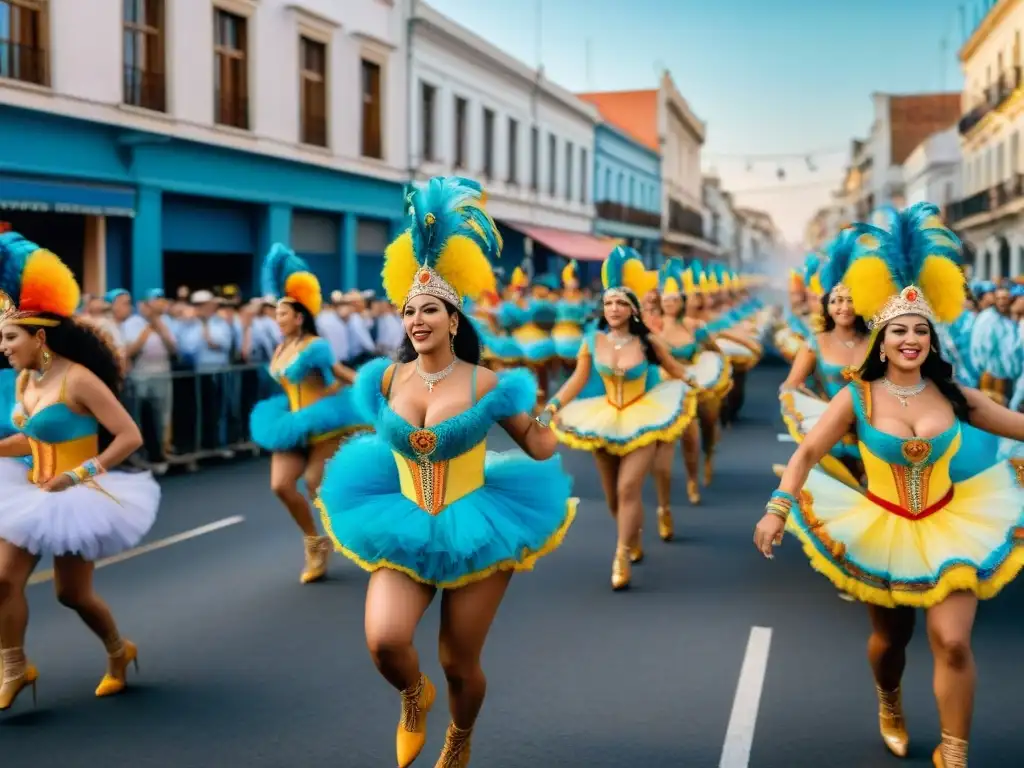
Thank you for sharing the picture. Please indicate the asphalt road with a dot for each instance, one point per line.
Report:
(240, 665)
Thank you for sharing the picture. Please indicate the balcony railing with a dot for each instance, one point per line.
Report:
(26, 63)
(144, 89)
(231, 110)
(627, 215)
(993, 98)
(314, 130)
(684, 220)
(986, 201)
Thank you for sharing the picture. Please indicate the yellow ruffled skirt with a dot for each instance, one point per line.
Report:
(660, 415)
(972, 540)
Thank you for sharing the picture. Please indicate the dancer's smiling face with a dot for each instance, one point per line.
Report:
(21, 347)
(840, 307)
(429, 323)
(288, 318)
(672, 303)
(618, 309)
(906, 341)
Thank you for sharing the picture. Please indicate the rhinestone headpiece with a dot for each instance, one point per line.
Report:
(9, 313)
(909, 301)
(429, 282)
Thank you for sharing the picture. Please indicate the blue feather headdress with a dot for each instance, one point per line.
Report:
(906, 263)
(447, 250)
(839, 252)
(670, 278)
(624, 272)
(287, 277)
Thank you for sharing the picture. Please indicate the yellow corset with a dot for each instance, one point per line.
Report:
(917, 490)
(433, 485)
(622, 392)
(51, 459)
(304, 394)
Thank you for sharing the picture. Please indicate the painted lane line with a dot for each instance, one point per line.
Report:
(153, 546)
(739, 738)
(785, 438)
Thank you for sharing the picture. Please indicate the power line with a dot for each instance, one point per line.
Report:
(783, 188)
(779, 155)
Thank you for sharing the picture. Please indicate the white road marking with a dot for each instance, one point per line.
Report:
(785, 438)
(739, 738)
(47, 575)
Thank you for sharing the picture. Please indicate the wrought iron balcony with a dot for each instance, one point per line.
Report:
(26, 63)
(627, 215)
(684, 220)
(145, 89)
(986, 201)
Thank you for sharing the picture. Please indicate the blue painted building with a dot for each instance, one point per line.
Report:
(627, 191)
(131, 209)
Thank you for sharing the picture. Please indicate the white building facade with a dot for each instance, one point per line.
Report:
(478, 112)
(989, 216)
(721, 225)
(758, 240)
(932, 172)
(253, 121)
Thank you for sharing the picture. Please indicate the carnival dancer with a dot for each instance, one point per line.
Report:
(925, 533)
(422, 505)
(532, 330)
(69, 505)
(819, 372)
(709, 374)
(570, 315)
(995, 351)
(302, 427)
(616, 404)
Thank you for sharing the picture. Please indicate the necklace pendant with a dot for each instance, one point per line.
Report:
(430, 386)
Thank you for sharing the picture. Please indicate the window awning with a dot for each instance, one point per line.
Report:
(23, 193)
(572, 245)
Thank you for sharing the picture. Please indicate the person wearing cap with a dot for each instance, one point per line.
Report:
(150, 346)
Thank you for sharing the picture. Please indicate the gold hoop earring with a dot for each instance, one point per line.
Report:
(881, 355)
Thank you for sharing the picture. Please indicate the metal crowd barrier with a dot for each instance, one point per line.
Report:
(187, 416)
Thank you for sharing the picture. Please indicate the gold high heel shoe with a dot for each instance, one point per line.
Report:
(18, 675)
(951, 753)
(693, 492)
(666, 528)
(318, 549)
(116, 678)
(417, 701)
(636, 549)
(456, 748)
(621, 568)
(891, 723)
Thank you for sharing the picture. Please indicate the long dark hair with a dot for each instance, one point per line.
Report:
(466, 342)
(636, 327)
(308, 327)
(88, 346)
(859, 324)
(935, 368)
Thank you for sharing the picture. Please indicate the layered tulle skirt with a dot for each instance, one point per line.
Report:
(787, 343)
(535, 346)
(567, 338)
(742, 357)
(974, 543)
(712, 374)
(660, 415)
(520, 514)
(275, 427)
(95, 520)
(800, 413)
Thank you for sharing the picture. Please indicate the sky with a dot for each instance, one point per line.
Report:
(783, 85)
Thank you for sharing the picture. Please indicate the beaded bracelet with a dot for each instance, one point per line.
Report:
(86, 471)
(553, 405)
(780, 495)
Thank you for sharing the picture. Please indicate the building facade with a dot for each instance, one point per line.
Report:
(156, 144)
(932, 172)
(721, 225)
(661, 119)
(627, 191)
(989, 216)
(759, 241)
(478, 112)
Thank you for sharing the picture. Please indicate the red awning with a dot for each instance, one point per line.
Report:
(572, 245)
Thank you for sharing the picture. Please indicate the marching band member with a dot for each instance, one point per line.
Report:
(70, 504)
(616, 404)
(925, 533)
(421, 504)
(302, 427)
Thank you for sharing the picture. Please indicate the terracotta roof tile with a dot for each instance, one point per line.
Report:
(633, 112)
(913, 118)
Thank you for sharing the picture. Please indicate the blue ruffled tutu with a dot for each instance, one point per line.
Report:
(275, 427)
(506, 518)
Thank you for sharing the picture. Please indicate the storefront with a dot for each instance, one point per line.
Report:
(141, 211)
(545, 250)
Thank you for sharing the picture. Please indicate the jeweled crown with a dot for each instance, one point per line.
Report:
(909, 301)
(429, 282)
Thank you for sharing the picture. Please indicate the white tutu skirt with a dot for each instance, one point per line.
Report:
(93, 521)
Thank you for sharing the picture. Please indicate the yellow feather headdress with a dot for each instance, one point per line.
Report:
(569, 274)
(906, 263)
(34, 283)
(448, 248)
(287, 276)
(624, 272)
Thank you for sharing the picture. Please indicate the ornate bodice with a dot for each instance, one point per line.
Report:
(830, 375)
(622, 386)
(908, 476)
(685, 353)
(307, 376)
(439, 464)
(59, 438)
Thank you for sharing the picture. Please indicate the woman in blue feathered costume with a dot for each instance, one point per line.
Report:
(303, 426)
(421, 504)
